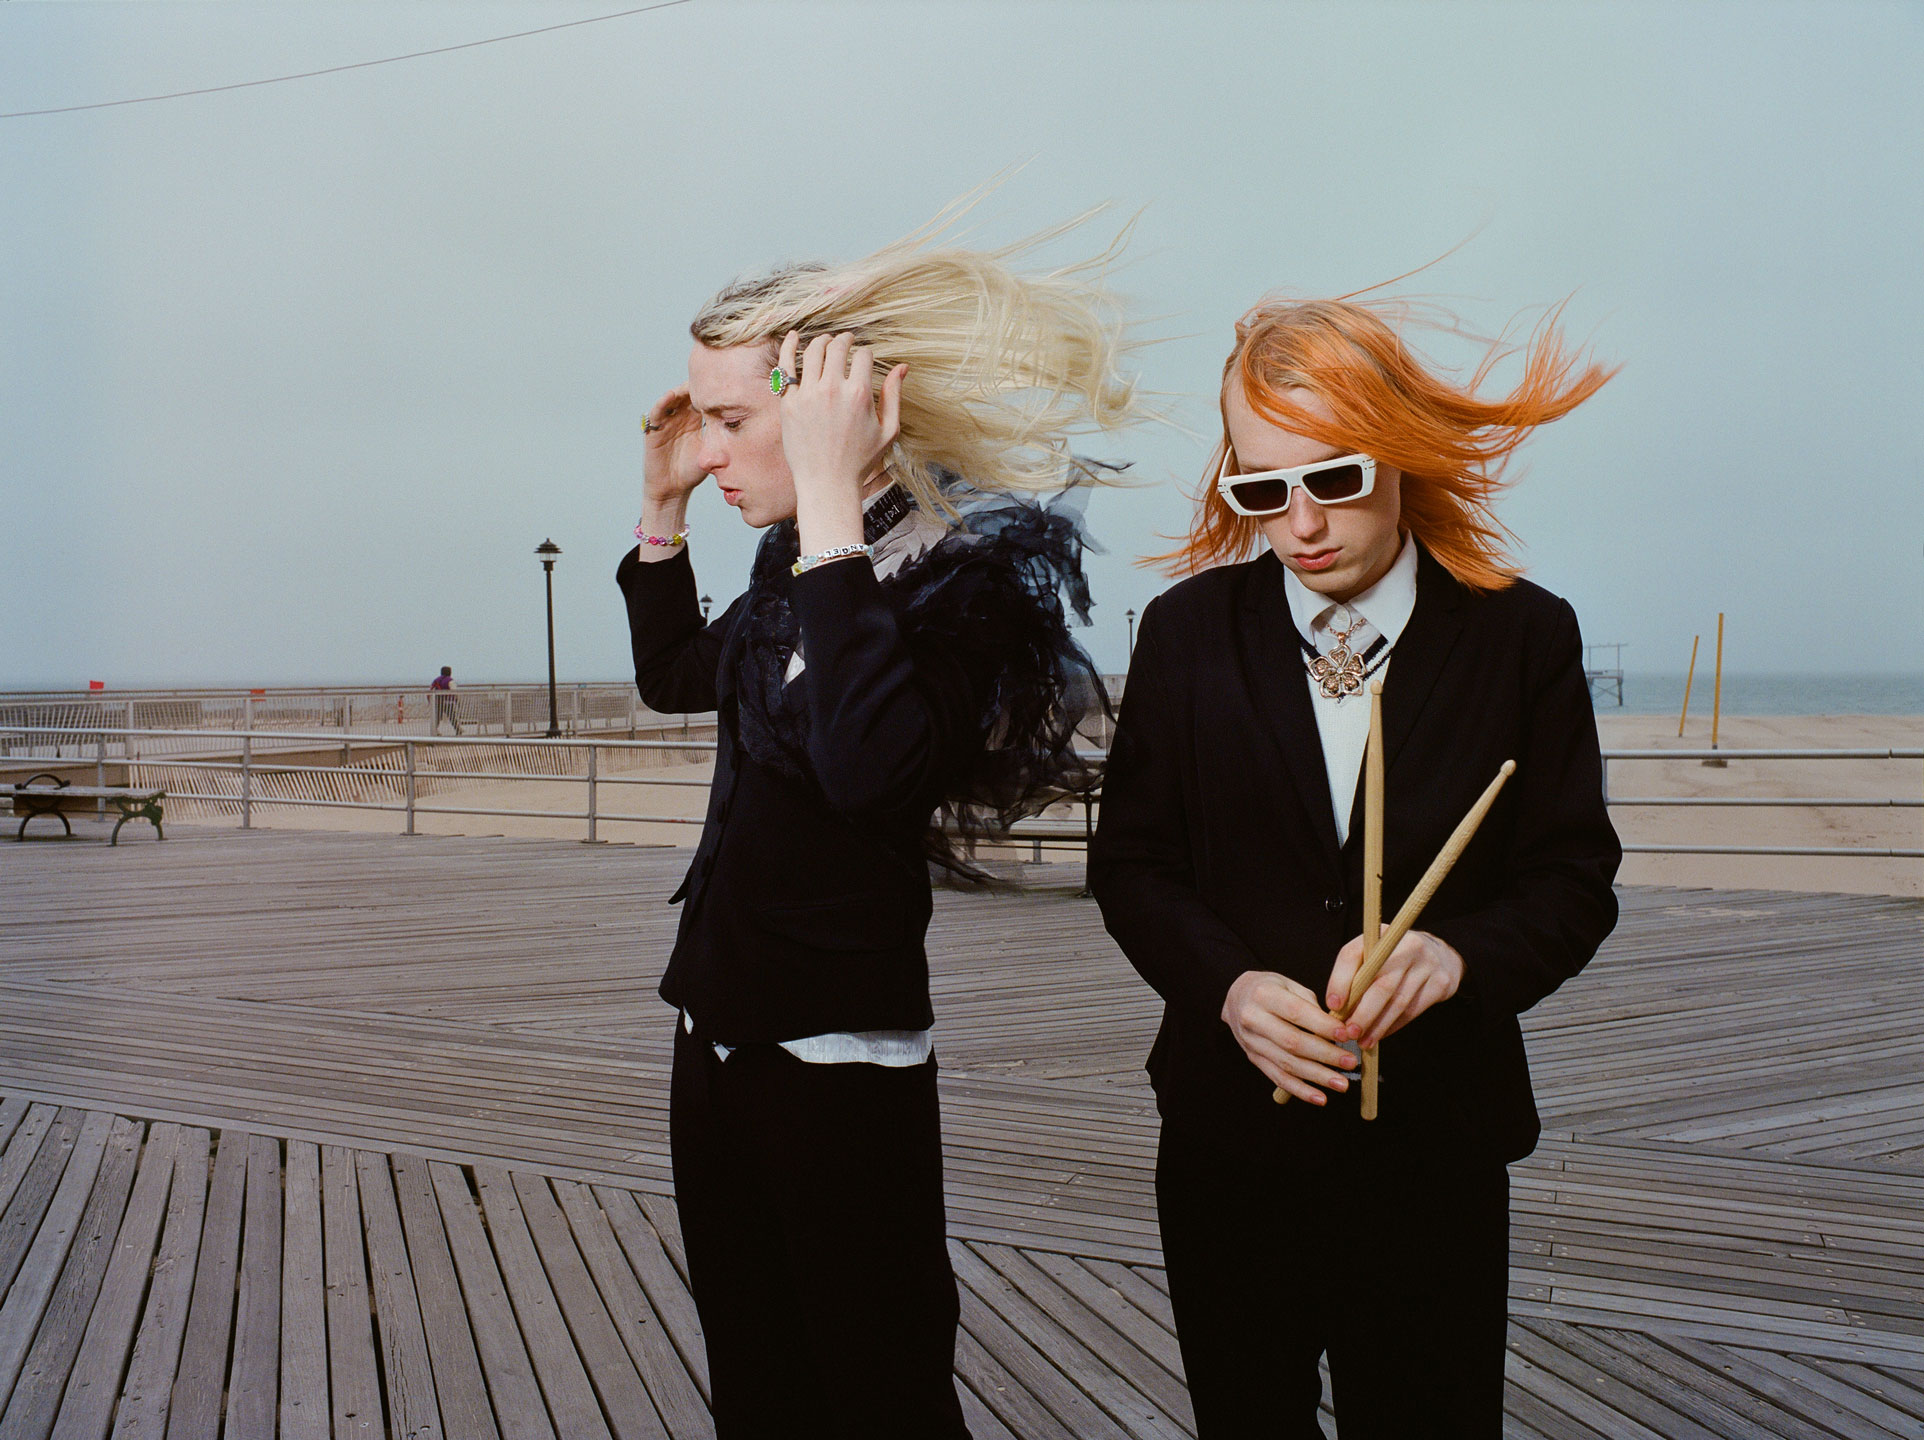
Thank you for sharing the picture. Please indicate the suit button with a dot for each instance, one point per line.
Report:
(1334, 904)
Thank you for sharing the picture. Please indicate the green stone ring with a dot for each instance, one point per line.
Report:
(779, 380)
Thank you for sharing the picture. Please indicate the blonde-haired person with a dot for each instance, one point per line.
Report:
(1229, 868)
(902, 650)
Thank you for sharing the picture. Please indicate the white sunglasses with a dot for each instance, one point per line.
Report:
(1268, 492)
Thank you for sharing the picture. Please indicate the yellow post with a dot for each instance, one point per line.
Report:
(1717, 696)
(1689, 676)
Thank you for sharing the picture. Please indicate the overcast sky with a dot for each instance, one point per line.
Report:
(294, 378)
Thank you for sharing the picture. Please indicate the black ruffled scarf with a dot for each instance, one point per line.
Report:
(995, 595)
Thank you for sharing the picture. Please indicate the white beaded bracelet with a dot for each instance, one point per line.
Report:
(840, 552)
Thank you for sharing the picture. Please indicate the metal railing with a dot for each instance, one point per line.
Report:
(1821, 802)
(398, 774)
(177, 718)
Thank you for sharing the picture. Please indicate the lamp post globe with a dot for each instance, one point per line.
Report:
(549, 552)
(706, 601)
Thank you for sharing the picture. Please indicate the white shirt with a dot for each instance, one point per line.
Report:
(1344, 725)
(908, 538)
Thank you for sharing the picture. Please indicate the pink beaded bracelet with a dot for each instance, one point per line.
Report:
(680, 538)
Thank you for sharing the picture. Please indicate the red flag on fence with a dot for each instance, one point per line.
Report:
(96, 684)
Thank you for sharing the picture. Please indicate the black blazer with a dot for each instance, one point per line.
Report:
(808, 899)
(1217, 849)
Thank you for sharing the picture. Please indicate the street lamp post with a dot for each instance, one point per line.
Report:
(1130, 616)
(549, 553)
(706, 601)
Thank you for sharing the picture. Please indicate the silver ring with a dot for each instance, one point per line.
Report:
(779, 380)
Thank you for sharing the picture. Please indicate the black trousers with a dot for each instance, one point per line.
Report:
(811, 1206)
(1372, 1242)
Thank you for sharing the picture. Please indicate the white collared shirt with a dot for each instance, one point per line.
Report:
(1344, 725)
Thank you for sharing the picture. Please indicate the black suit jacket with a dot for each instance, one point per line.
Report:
(1217, 850)
(808, 900)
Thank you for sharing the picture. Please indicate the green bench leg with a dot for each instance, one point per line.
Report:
(137, 810)
(35, 813)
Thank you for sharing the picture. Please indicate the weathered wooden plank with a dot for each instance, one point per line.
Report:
(40, 1267)
(982, 1422)
(683, 1411)
(666, 1220)
(35, 1400)
(624, 1399)
(564, 1381)
(201, 1384)
(460, 1389)
(253, 1386)
(1555, 1351)
(144, 1398)
(1034, 1386)
(87, 1408)
(992, 1389)
(34, 1190)
(1092, 1330)
(305, 1412)
(1108, 1301)
(1788, 1392)
(1859, 1401)
(407, 1373)
(518, 1404)
(354, 1387)
(1905, 1397)
(1712, 1384)
(1136, 1413)
(23, 1147)
(13, 1109)
(665, 1286)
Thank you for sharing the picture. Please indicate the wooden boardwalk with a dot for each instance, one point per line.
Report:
(341, 1135)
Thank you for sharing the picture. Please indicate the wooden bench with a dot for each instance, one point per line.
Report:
(31, 800)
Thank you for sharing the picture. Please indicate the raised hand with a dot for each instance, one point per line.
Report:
(836, 433)
(671, 470)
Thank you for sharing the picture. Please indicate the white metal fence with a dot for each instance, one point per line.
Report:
(238, 770)
(179, 721)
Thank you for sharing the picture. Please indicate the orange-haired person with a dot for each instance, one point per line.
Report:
(1229, 868)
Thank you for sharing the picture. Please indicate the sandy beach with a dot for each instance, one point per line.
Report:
(1838, 779)
(1856, 779)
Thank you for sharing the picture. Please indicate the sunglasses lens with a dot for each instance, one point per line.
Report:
(1262, 495)
(1339, 482)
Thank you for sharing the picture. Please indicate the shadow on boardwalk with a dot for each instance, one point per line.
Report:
(319, 1134)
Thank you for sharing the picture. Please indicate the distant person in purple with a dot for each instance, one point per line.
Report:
(445, 704)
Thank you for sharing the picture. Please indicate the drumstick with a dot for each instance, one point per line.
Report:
(1451, 852)
(1433, 877)
(1373, 871)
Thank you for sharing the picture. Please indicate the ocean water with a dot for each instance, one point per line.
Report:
(1772, 695)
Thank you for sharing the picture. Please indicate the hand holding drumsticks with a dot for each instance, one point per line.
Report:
(1422, 966)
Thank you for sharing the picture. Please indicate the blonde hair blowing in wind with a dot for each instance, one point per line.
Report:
(1004, 367)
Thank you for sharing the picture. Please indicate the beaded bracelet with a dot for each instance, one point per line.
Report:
(840, 552)
(679, 538)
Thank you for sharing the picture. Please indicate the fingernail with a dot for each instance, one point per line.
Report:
(1342, 1082)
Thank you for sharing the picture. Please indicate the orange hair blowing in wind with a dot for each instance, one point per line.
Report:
(1450, 445)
